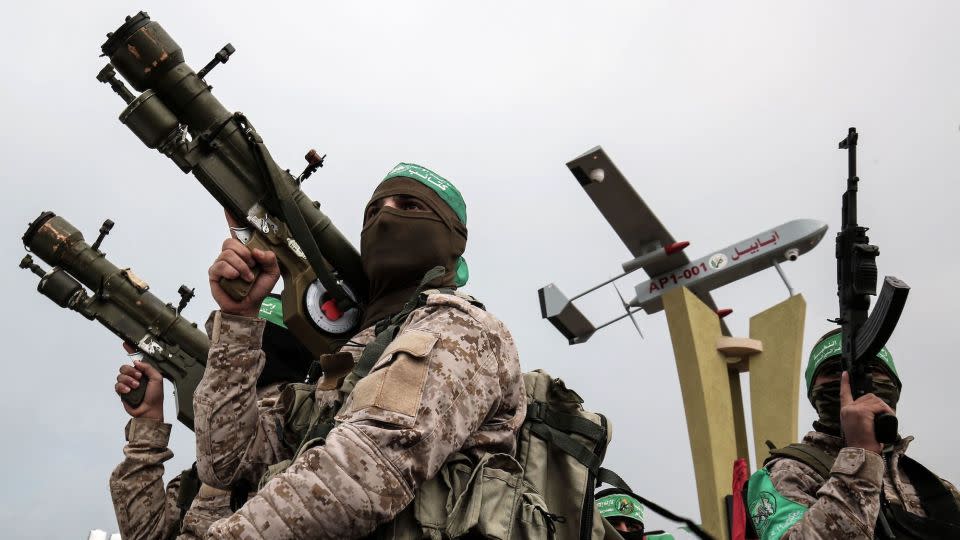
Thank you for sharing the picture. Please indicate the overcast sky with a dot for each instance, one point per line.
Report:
(725, 117)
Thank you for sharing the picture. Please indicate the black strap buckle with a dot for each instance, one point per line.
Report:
(536, 411)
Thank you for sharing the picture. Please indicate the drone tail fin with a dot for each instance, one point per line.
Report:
(564, 316)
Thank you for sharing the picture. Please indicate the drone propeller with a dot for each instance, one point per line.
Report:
(626, 307)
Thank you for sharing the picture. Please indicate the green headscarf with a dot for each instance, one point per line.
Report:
(830, 346)
(447, 192)
(620, 505)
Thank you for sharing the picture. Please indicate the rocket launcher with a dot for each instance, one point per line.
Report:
(177, 114)
(120, 301)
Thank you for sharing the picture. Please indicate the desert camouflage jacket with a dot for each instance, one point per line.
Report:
(449, 382)
(788, 499)
(144, 508)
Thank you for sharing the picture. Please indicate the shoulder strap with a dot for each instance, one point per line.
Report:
(942, 518)
(606, 476)
(809, 455)
(937, 501)
(386, 330)
(189, 487)
(553, 427)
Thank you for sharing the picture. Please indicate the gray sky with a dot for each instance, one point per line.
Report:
(724, 116)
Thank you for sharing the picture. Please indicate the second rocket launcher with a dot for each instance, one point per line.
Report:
(120, 301)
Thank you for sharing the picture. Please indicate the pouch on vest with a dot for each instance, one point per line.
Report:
(489, 500)
(302, 426)
(391, 392)
(498, 504)
(299, 402)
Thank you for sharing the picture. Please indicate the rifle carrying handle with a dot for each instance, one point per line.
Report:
(238, 288)
(885, 427)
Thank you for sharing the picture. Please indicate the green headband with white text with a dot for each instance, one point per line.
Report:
(620, 505)
(832, 346)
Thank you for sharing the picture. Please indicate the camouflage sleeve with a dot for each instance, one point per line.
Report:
(432, 388)
(210, 503)
(145, 510)
(236, 439)
(790, 500)
(208, 506)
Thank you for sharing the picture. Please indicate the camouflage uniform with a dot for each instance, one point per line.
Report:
(145, 510)
(449, 382)
(844, 506)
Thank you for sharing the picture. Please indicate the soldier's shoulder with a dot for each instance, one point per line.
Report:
(455, 319)
(787, 465)
(790, 475)
(463, 308)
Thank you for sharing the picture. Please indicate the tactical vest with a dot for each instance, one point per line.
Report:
(545, 491)
(935, 498)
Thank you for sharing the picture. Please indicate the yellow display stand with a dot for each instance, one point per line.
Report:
(709, 366)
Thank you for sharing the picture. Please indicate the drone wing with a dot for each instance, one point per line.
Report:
(629, 216)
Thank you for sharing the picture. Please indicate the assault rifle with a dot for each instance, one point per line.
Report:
(120, 301)
(863, 336)
(177, 114)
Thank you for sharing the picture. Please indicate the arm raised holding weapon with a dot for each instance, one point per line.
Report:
(178, 115)
(120, 301)
(851, 476)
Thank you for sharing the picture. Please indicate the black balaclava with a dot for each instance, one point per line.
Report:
(397, 247)
(825, 398)
(632, 535)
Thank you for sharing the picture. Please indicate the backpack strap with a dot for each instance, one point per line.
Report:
(942, 518)
(809, 455)
(189, 487)
(937, 501)
(552, 427)
(569, 423)
(606, 476)
(239, 493)
(567, 444)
